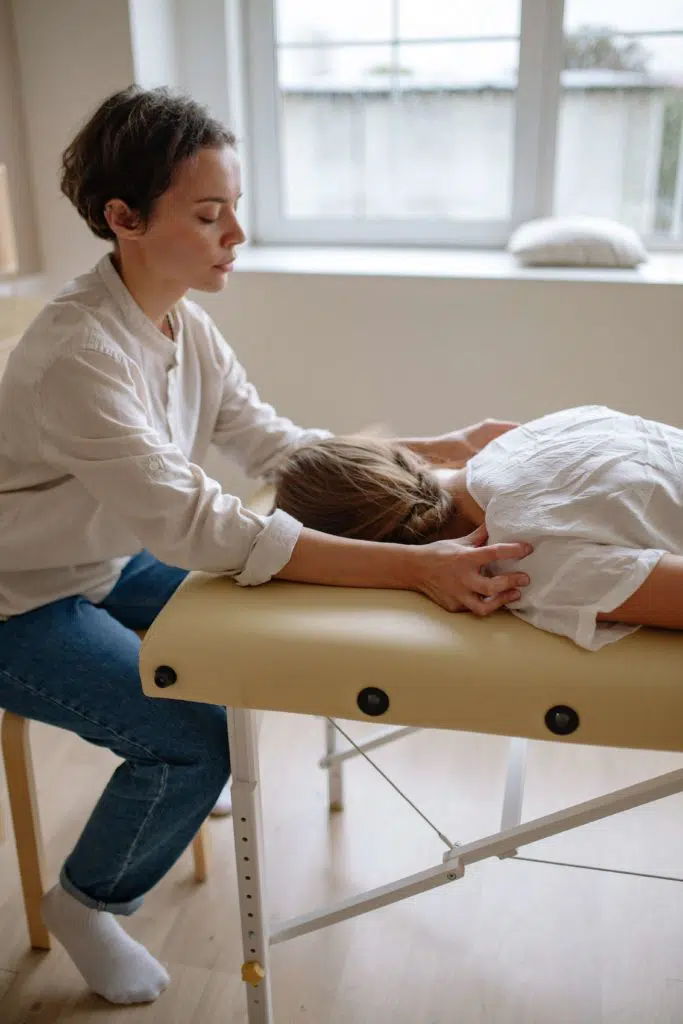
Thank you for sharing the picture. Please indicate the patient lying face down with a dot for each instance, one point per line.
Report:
(597, 493)
(370, 489)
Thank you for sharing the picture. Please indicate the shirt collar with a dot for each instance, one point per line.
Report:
(133, 315)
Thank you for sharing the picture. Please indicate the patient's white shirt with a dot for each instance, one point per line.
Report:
(599, 494)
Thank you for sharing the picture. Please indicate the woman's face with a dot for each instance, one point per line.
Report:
(193, 232)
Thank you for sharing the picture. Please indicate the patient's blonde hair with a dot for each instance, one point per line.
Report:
(365, 488)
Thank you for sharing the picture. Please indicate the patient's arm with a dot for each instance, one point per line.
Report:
(657, 602)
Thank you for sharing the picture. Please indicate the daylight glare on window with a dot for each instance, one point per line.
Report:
(397, 108)
(620, 146)
(406, 110)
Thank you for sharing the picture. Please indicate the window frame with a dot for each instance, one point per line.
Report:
(534, 147)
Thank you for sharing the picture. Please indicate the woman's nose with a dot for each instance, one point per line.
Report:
(234, 235)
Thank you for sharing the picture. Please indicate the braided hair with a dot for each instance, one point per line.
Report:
(365, 488)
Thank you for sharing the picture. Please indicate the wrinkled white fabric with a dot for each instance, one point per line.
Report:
(600, 496)
(104, 424)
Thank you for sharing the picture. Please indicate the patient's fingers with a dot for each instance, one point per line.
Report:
(485, 606)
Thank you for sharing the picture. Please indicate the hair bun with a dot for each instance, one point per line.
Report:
(428, 487)
(431, 510)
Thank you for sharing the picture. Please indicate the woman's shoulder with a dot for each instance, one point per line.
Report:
(64, 329)
(65, 326)
(84, 314)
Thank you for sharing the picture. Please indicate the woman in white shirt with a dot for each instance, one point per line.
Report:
(598, 493)
(107, 408)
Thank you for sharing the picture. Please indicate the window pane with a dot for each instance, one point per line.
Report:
(317, 21)
(627, 15)
(404, 129)
(448, 19)
(620, 142)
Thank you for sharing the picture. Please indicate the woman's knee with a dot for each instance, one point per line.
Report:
(200, 741)
(217, 753)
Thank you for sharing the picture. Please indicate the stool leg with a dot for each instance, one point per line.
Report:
(16, 751)
(335, 784)
(201, 850)
(248, 832)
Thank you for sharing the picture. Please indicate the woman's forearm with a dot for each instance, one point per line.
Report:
(447, 449)
(448, 572)
(657, 602)
(338, 561)
(458, 446)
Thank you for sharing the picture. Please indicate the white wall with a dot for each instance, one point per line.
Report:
(428, 355)
(13, 145)
(71, 54)
(70, 57)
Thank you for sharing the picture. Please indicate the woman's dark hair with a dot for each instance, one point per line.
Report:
(130, 148)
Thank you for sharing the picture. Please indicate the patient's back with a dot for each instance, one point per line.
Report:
(600, 496)
(588, 472)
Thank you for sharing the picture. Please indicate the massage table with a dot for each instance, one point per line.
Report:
(396, 659)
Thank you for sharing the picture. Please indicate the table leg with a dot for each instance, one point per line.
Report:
(335, 786)
(514, 786)
(248, 830)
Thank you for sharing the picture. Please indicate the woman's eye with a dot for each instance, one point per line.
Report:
(208, 220)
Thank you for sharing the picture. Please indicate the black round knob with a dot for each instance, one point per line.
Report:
(562, 720)
(165, 676)
(372, 701)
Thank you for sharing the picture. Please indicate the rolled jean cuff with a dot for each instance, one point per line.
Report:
(125, 909)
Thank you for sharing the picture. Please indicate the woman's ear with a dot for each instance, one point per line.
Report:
(124, 222)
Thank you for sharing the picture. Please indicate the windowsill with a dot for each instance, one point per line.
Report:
(361, 261)
(474, 264)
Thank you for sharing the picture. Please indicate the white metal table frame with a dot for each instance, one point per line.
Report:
(257, 936)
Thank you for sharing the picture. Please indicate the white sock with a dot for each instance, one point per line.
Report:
(223, 805)
(113, 965)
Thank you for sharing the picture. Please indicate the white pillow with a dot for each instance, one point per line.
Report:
(577, 242)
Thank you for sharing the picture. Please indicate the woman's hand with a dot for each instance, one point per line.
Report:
(447, 571)
(455, 448)
(450, 573)
(480, 434)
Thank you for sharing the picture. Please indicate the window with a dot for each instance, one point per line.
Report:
(620, 146)
(449, 122)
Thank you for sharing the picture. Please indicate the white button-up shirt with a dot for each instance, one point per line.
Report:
(104, 425)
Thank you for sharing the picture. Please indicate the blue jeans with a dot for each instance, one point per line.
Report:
(74, 665)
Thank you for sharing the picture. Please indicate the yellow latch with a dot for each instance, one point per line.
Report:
(253, 973)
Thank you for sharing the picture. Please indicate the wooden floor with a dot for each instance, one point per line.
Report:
(513, 942)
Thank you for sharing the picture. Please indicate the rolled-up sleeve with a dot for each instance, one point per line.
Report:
(249, 429)
(94, 425)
